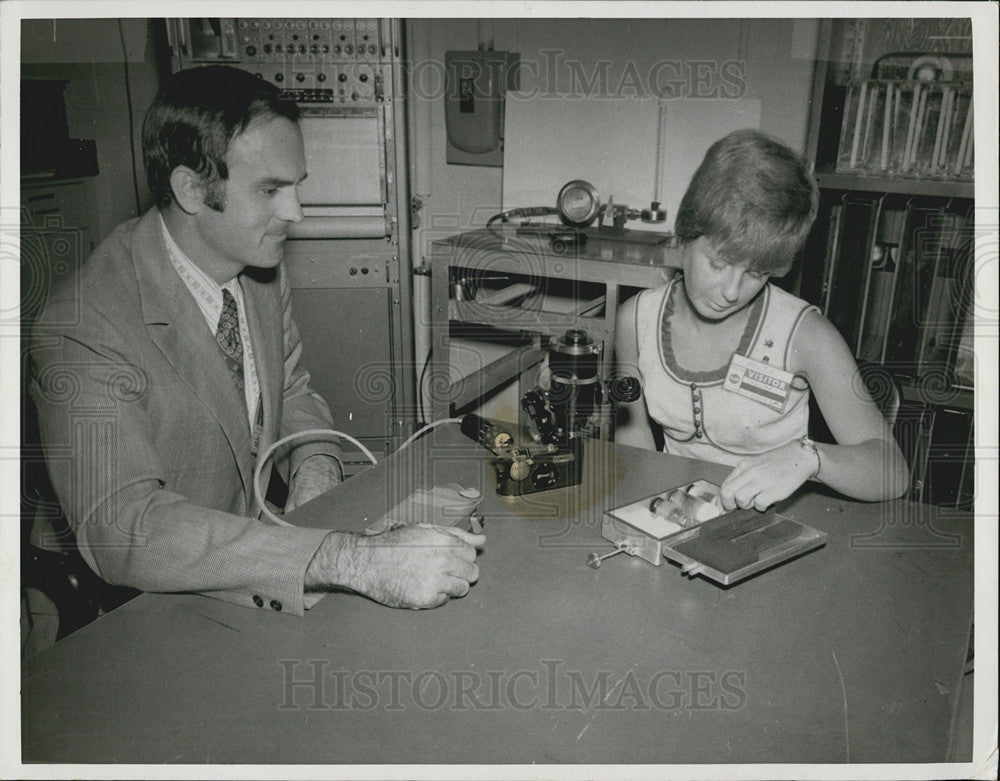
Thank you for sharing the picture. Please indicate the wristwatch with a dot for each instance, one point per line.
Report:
(808, 445)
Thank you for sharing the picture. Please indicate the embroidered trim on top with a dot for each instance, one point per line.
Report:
(712, 375)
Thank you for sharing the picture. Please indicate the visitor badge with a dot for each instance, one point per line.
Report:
(761, 382)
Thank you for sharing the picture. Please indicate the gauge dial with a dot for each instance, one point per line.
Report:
(578, 203)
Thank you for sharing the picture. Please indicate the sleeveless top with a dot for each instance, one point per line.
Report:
(699, 417)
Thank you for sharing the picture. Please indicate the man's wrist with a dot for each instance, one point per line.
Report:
(322, 463)
(315, 476)
(332, 564)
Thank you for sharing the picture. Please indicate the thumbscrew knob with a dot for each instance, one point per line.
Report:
(594, 560)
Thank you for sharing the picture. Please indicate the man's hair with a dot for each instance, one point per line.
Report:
(193, 120)
(754, 200)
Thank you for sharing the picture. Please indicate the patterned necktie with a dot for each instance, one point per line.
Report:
(228, 337)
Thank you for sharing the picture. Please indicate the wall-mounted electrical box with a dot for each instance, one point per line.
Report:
(477, 82)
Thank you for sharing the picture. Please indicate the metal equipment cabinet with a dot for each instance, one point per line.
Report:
(506, 279)
(895, 230)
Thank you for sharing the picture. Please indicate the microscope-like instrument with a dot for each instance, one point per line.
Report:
(562, 415)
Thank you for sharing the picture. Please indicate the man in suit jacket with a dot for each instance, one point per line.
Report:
(170, 361)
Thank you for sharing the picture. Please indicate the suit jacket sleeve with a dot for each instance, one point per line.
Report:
(145, 476)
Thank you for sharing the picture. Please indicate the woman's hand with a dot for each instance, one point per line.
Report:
(760, 481)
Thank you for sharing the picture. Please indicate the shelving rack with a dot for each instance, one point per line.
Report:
(897, 272)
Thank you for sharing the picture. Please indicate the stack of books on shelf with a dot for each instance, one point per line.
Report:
(907, 128)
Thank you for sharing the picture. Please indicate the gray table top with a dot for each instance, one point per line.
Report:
(851, 653)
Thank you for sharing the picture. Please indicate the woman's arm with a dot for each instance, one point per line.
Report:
(866, 463)
(632, 426)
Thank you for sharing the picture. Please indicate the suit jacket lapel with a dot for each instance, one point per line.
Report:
(264, 318)
(177, 326)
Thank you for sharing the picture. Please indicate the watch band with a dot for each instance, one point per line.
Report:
(807, 444)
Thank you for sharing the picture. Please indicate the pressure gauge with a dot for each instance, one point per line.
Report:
(578, 203)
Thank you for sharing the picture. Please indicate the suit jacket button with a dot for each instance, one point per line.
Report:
(258, 600)
(275, 605)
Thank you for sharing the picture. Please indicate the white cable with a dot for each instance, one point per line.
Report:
(284, 440)
(325, 432)
(428, 427)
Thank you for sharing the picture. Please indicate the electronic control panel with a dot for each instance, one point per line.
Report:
(341, 62)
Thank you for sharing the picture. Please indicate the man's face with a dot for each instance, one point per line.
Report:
(266, 162)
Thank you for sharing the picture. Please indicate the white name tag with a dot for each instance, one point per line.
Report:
(759, 381)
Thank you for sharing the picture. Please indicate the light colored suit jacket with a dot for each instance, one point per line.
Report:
(146, 437)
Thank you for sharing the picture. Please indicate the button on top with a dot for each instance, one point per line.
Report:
(696, 410)
(275, 605)
(258, 600)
